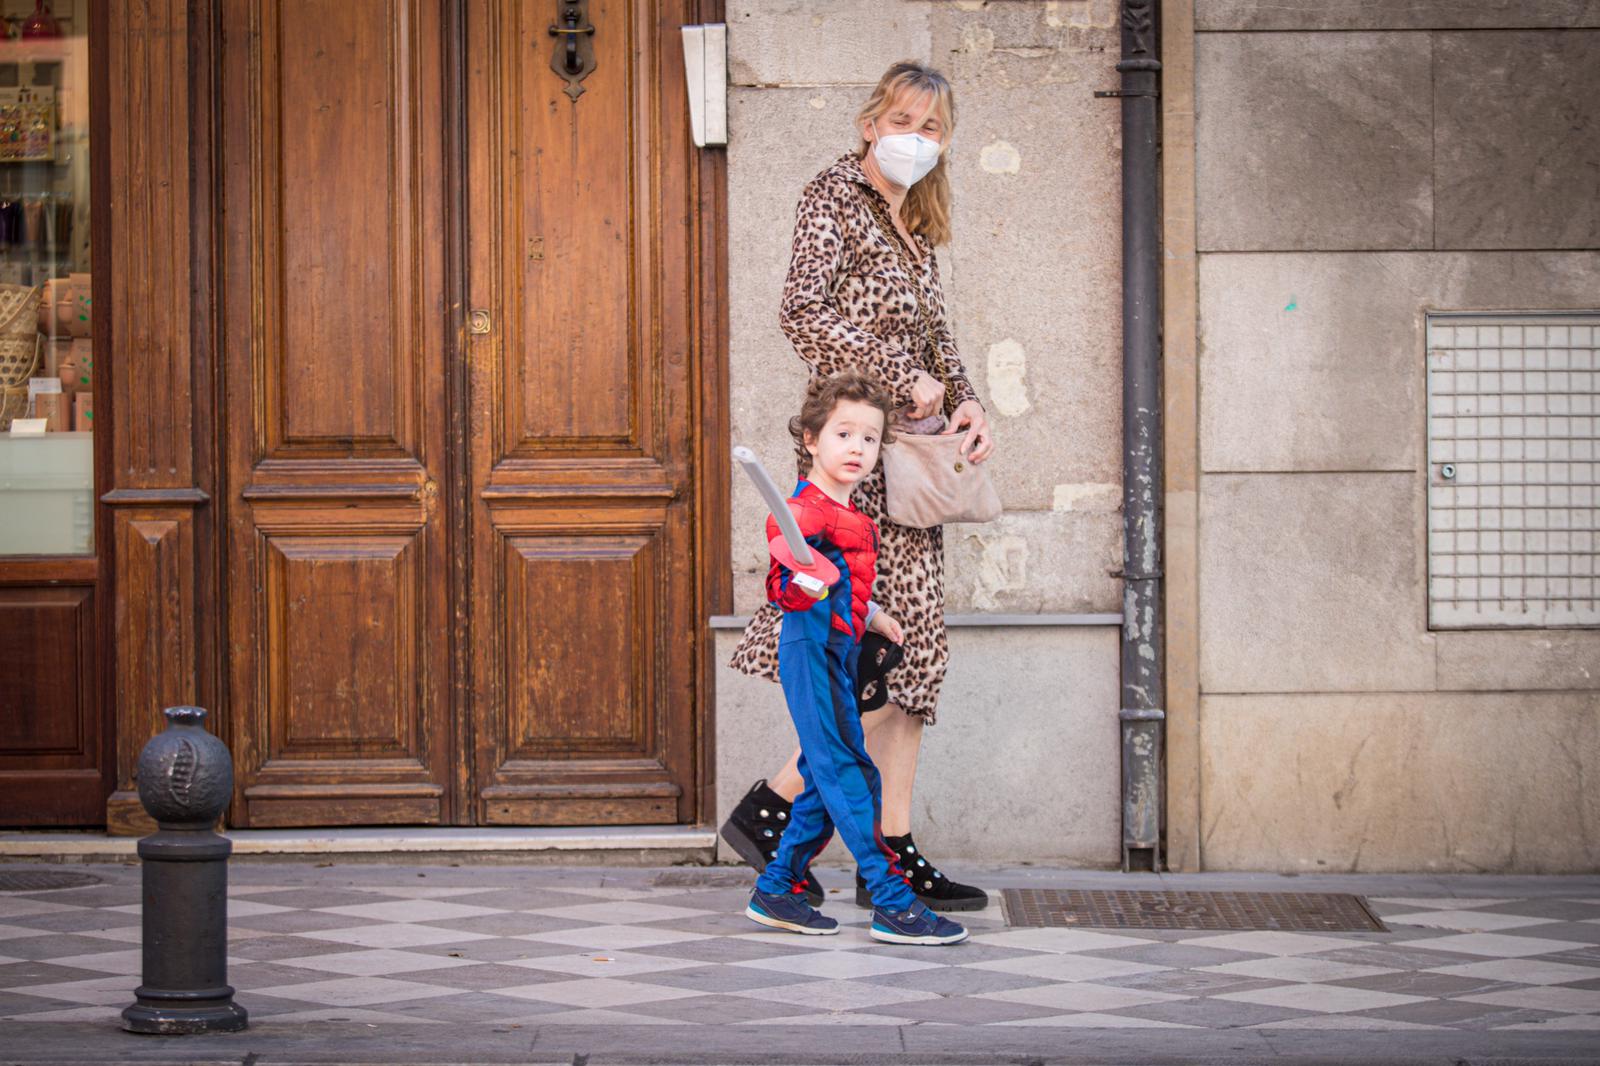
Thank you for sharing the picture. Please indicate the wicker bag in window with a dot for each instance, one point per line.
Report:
(19, 348)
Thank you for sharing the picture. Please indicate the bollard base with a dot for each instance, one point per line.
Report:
(186, 1020)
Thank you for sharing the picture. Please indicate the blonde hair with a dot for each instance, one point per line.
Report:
(927, 206)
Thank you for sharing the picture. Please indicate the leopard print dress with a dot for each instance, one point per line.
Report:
(850, 301)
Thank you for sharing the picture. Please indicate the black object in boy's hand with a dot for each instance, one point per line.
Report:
(879, 655)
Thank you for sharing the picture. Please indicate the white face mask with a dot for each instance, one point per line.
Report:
(905, 158)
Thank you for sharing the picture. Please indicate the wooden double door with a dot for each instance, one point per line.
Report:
(464, 323)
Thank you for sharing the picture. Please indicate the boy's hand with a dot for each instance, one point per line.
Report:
(883, 623)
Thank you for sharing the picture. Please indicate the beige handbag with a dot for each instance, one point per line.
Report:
(927, 481)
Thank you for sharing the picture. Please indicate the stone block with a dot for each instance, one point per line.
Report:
(1312, 583)
(1032, 562)
(1518, 143)
(1513, 660)
(1315, 362)
(1394, 782)
(1310, 362)
(822, 42)
(1034, 281)
(1007, 45)
(779, 139)
(1023, 763)
(1320, 141)
(1410, 15)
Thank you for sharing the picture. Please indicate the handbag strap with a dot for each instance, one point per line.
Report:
(880, 212)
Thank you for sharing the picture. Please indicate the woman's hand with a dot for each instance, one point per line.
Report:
(883, 623)
(927, 396)
(978, 443)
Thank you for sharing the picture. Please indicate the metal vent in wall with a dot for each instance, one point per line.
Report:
(1513, 470)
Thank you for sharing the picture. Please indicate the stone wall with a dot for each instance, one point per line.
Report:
(1033, 280)
(1356, 166)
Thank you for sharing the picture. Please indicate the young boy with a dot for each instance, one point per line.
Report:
(839, 432)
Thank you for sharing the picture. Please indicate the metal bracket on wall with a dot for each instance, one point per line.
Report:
(573, 58)
(705, 71)
(1103, 93)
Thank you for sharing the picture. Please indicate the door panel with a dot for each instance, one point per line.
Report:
(569, 198)
(365, 581)
(582, 420)
(52, 760)
(583, 699)
(333, 324)
(344, 133)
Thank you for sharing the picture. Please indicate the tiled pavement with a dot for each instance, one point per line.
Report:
(498, 949)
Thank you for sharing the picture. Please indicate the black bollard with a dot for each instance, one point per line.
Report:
(185, 779)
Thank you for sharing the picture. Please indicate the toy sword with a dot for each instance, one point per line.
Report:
(791, 548)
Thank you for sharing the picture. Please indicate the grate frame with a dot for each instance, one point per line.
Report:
(1513, 470)
(1298, 912)
(44, 880)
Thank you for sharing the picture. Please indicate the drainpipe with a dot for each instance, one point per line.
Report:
(1142, 715)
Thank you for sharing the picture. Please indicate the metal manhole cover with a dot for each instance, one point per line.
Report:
(43, 880)
(1304, 912)
(704, 879)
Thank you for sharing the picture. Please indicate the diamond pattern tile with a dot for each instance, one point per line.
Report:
(1499, 945)
(601, 964)
(1297, 968)
(1477, 921)
(395, 935)
(1096, 1020)
(1523, 971)
(1326, 999)
(595, 992)
(387, 948)
(411, 910)
(1080, 996)
(1067, 967)
(1568, 1000)
(840, 964)
(374, 963)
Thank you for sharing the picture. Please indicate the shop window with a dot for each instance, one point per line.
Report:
(48, 356)
(1513, 510)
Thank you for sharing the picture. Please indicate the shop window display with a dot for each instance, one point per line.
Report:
(48, 355)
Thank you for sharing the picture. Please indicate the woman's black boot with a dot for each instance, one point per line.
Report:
(755, 827)
(933, 888)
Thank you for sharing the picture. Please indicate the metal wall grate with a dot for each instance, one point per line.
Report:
(1513, 491)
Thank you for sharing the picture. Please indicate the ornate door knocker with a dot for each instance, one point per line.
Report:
(574, 52)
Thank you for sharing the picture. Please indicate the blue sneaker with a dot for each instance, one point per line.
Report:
(918, 925)
(789, 911)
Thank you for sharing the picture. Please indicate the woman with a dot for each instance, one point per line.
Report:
(863, 293)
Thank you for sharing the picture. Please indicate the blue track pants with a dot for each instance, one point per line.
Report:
(817, 665)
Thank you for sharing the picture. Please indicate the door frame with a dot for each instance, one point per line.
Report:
(715, 485)
(163, 618)
(159, 524)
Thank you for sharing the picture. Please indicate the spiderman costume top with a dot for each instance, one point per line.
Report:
(847, 537)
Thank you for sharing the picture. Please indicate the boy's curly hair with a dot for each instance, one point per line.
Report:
(823, 394)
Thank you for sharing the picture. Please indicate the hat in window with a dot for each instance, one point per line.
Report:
(878, 656)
